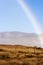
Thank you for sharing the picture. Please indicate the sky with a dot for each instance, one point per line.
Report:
(37, 8)
(13, 17)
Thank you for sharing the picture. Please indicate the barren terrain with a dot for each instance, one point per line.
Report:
(20, 55)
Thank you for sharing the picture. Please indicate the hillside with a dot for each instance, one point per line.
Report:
(20, 55)
(21, 38)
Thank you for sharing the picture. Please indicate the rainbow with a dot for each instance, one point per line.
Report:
(33, 20)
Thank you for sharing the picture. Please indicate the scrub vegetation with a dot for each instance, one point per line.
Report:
(20, 55)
